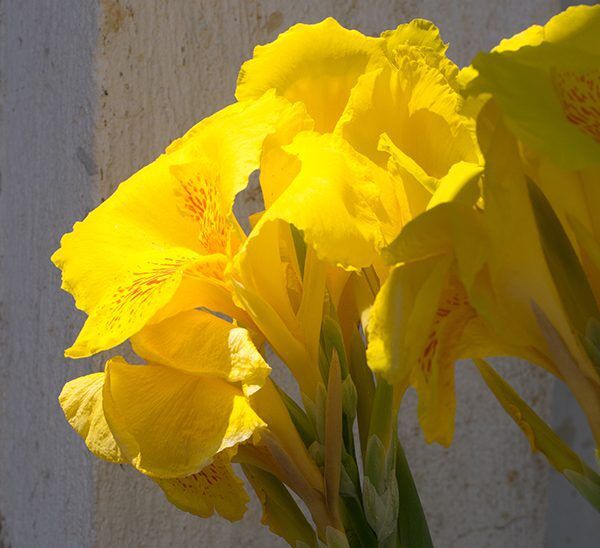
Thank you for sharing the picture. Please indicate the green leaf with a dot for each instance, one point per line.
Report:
(349, 397)
(412, 524)
(375, 462)
(299, 418)
(381, 504)
(332, 335)
(591, 342)
(381, 413)
(587, 487)
(567, 273)
(300, 245)
(365, 386)
(541, 437)
(358, 531)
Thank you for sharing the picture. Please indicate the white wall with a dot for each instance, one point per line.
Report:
(89, 93)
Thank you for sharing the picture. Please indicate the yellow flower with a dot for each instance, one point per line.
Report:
(347, 187)
(509, 278)
(353, 136)
(180, 418)
(378, 93)
(162, 242)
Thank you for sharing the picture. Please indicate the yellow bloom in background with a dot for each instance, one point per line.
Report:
(515, 274)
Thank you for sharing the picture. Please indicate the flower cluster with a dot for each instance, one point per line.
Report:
(414, 214)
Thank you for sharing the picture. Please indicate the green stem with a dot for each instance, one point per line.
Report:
(381, 414)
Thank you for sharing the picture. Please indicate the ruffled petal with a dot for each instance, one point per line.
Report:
(315, 64)
(413, 98)
(170, 423)
(353, 202)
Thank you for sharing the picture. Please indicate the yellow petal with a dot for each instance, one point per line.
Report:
(546, 82)
(415, 186)
(423, 37)
(459, 185)
(135, 298)
(418, 32)
(421, 324)
(232, 139)
(413, 98)
(310, 310)
(517, 267)
(170, 423)
(349, 217)
(576, 25)
(574, 194)
(81, 401)
(199, 342)
(270, 407)
(261, 276)
(315, 64)
(422, 320)
(394, 311)
(411, 337)
(170, 224)
(214, 488)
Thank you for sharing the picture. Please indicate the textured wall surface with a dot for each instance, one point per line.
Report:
(46, 136)
(91, 91)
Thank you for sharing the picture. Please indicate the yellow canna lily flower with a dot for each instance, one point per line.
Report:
(378, 93)
(355, 212)
(360, 168)
(162, 242)
(422, 320)
(559, 154)
(508, 279)
(180, 418)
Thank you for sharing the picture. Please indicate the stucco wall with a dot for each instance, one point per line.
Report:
(90, 92)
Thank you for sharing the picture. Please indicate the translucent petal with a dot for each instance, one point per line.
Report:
(214, 488)
(170, 423)
(81, 401)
